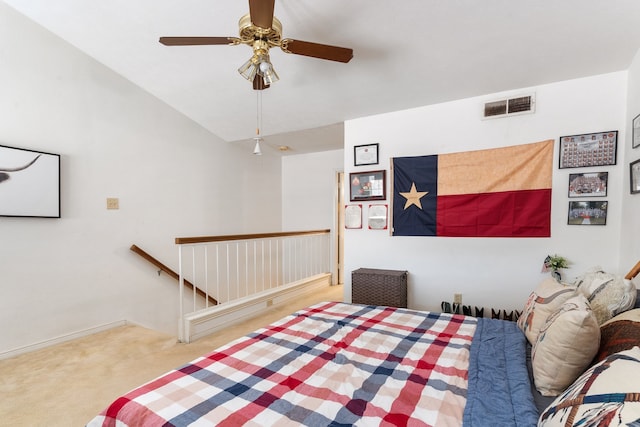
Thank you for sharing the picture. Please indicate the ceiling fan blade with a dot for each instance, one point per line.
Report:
(316, 50)
(261, 12)
(193, 41)
(259, 84)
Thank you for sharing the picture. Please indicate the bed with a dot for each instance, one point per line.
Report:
(345, 364)
(342, 364)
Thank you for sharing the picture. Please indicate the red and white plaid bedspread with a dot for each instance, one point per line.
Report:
(330, 364)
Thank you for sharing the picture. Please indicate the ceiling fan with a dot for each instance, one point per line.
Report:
(262, 31)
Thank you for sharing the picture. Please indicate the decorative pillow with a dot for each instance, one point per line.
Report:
(618, 334)
(565, 347)
(546, 299)
(607, 294)
(606, 394)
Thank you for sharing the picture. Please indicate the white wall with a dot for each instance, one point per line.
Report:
(497, 272)
(309, 194)
(173, 179)
(309, 190)
(630, 230)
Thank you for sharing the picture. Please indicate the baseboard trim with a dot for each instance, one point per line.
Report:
(60, 339)
(208, 321)
(201, 323)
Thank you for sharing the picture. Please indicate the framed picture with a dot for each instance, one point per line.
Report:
(378, 217)
(367, 186)
(590, 149)
(588, 213)
(353, 216)
(635, 127)
(365, 155)
(591, 184)
(29, 183)
(634, 173)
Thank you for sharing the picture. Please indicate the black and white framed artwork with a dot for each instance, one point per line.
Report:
(29, 183)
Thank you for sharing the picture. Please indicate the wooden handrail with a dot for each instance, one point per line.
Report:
(633, 272)
(205, 239)
(171, 273)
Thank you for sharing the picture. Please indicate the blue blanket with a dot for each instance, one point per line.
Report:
(499, 392)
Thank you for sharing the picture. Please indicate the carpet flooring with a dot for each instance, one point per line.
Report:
(69, 383)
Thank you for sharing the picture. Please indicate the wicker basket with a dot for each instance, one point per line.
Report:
(371, 286)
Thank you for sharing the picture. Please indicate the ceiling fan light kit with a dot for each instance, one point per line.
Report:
(248, 70)
(269, 75)
(259, 65)
(262, 31)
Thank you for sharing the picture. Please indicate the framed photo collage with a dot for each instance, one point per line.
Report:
(589, 188)
(367, 186)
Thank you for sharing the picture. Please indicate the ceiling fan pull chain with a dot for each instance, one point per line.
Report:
(258, 112)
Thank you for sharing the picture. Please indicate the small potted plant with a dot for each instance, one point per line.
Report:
(554, 263)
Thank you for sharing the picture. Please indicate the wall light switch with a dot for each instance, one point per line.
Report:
(113, 203)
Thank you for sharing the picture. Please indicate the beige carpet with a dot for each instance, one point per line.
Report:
(70, 383)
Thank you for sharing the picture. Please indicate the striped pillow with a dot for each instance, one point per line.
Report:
(545, 300)
(618, 334)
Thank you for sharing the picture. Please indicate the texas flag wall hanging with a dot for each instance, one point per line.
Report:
(500, 192)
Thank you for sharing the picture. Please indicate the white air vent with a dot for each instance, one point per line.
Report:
(509, 107)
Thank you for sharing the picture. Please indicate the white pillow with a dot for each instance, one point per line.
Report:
(565, 347)
(607, 293)
(545, 300)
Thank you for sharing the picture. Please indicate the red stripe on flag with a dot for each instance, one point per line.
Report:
(507, 214)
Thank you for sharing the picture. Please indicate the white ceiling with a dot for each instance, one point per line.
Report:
(407, 53)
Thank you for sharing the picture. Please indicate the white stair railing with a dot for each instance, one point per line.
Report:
(228, 269)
